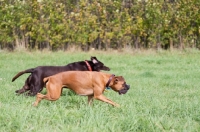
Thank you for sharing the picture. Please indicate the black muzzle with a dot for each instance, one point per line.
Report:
(126, 88)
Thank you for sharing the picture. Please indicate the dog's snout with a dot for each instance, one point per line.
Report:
(128, 86)
(106, 68)
(125, 89)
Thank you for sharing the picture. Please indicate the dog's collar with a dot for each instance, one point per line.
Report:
(110, 79)
(88, 65)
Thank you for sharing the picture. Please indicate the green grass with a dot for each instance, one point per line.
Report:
(164, 94)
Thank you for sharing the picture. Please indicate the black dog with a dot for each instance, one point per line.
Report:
(34, 83)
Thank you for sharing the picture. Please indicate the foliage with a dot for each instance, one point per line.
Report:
(100, 24)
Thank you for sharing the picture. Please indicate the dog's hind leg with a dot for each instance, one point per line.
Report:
(35, 88)
(38, 98)
(53, 93)
(90, 99)
(30, 93)
(47, 97)
(25, 88)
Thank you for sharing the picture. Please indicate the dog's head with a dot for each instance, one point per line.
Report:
(119, 85)
(98, 65)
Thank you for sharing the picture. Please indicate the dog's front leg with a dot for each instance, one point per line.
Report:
(104, 99)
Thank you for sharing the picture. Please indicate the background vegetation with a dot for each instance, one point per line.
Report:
(99, 24)
(164, 94)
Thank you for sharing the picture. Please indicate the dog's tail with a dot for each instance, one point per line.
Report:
(22, 72)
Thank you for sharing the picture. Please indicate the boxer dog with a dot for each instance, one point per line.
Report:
(86, 83)
(34, 83)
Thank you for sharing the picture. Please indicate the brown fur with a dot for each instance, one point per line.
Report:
(91, 84)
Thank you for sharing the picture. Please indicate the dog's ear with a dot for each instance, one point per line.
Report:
(94, 59)
(116, 80)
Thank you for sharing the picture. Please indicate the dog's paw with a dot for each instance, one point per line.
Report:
(117, 105)
(35, 104)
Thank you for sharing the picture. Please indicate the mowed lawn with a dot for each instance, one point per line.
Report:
(164, 94)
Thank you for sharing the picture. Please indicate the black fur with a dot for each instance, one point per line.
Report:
(34, 83)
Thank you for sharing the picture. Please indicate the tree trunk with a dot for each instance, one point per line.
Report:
(171, 44)
(136, 43)
(180, 41)
(158, 42)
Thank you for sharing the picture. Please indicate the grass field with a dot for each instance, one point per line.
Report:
(164, 94)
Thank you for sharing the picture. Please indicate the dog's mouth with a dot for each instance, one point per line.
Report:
(105, 68)
(101, 68)
(123, 91)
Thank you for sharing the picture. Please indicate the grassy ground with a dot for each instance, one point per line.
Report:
(164, 94)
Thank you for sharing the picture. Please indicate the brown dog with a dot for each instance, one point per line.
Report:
(91, 84)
